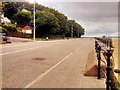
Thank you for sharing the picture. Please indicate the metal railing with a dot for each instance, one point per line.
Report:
(108, 53)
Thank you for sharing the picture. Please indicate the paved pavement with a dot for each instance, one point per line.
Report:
(48, 64)
(19, 40)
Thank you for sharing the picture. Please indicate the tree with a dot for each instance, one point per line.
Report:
(22, 18)
(28, 6)
(48, 20)
(62, 20)
(10, 8)
(77, 28)
(46, 23)
(70, 24)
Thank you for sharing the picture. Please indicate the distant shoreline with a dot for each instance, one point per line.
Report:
(116, 38)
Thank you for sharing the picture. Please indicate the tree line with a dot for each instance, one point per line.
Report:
(48, 21)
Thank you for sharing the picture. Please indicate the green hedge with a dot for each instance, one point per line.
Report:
(9, 27)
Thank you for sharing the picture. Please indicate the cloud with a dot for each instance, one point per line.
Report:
(89, 11)
(99, 29)
(78, 0)
(97, 18)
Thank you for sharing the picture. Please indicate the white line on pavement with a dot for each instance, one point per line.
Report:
(30, 84)
(28, 43)
(29, 49)
(42, 75)
(18, 44)
(25, 49)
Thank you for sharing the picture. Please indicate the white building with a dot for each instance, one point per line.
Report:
(4, 20)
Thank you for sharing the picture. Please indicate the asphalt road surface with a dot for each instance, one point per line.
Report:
(48, 64)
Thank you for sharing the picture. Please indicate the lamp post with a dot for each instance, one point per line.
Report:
(72, 31)
(34, 23)
(78, 33)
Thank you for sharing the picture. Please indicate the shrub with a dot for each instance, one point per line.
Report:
(10, 27)
(2, 30)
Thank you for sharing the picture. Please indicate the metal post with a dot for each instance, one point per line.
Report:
(96, 46)
(107, 43)
(72, 31)
(99, 59)
(34, 23)
(110, 44)
(108, 68)
(78, 33)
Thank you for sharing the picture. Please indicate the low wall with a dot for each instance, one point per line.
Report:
(91, 65)
(18, 34)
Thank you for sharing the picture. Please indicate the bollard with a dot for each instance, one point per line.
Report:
(108, 68)
(96, 46)
(99, 59)
(110, 44)
(107, 43)
(46, 38)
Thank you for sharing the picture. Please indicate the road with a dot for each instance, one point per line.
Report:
(48, 64)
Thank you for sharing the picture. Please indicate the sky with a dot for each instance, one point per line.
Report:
(98, 18)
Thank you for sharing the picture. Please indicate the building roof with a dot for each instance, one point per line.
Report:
(27, 27)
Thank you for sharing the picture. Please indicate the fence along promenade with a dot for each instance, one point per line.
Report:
(108, 54)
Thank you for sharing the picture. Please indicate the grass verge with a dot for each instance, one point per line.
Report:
(43, 39)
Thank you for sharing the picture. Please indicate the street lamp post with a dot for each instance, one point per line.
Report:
(78, 33)
(34, 23)
(72, 31)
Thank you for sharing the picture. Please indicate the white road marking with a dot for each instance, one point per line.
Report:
(18, 44)
(28, 43)
(42, 75)
(25, 49)
(29, 49)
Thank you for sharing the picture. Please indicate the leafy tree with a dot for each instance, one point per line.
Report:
(77, 28)
(48, 20)
(82, 31)
(28, 6)
(46, 23)
(23, 17)
(11, 8)
(70, 24)
(62, 20)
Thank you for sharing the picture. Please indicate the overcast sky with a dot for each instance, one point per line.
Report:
(98, 18)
